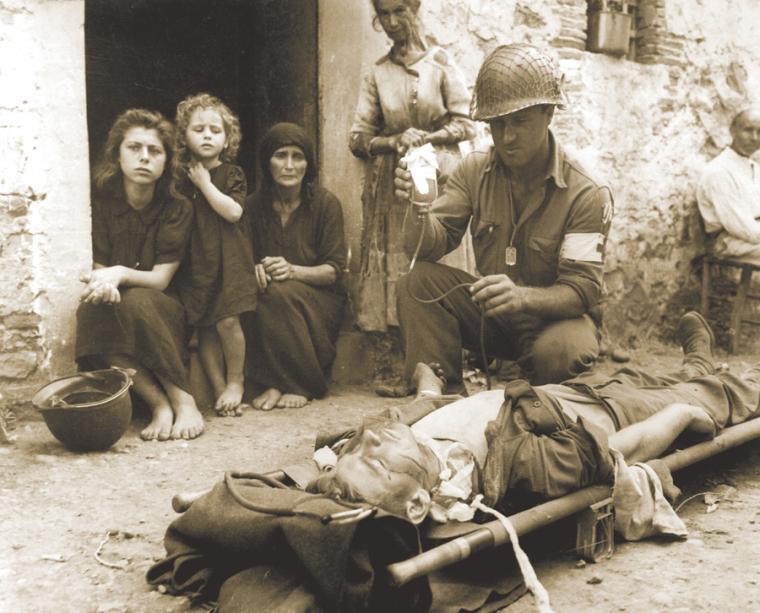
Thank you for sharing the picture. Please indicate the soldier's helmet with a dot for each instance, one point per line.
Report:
(515, 77)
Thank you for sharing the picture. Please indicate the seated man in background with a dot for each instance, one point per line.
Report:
(541, 442)
(729, 192)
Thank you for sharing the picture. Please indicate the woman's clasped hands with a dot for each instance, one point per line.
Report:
(102, 286)
(273, 268)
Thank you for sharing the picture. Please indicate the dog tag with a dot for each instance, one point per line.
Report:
(510, 256)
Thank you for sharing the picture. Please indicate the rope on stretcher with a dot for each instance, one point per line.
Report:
(540, 595)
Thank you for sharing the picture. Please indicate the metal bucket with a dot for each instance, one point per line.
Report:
(88, 411)
(609, 32)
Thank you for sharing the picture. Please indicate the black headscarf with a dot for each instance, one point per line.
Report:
(283, 135)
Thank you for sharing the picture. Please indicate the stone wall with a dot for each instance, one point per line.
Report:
(646, 126)
(44, 193)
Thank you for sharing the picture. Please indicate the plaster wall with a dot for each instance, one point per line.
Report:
(44, 189)
(348, 46)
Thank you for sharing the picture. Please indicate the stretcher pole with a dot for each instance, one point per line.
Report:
(492, 534)
(730, 437)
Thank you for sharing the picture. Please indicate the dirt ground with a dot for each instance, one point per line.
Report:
(60, 508)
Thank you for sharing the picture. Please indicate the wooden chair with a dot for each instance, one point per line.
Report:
(740, 301)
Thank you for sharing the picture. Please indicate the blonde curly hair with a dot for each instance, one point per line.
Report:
(185, 110)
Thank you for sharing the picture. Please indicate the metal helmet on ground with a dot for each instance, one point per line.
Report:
(515, 77)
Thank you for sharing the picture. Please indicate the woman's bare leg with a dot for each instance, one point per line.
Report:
(188, 421)
(146, 386)
(648, 439)
(233, 347)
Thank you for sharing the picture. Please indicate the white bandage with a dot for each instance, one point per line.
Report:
(325, 458)
(582, 246)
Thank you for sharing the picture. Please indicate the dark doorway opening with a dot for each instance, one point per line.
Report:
(258, 56)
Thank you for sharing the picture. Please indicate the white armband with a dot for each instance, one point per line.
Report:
(582, 246)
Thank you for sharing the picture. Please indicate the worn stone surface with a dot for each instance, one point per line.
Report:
(44, 189)
(17, 365)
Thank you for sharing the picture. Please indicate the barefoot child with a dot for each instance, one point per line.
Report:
(218, 277)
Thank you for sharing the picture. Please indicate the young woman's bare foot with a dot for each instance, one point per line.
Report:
(228, 403)
(292, 401)
(188, 421)
(160, 426)
(267, 400)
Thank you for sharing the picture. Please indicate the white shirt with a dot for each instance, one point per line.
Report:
(729, 196)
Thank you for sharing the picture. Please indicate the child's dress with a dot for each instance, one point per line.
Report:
(217, 279)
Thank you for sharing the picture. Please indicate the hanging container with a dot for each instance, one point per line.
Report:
(609, 28)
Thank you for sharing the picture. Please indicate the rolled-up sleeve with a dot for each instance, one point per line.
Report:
(581, 257)
(456, 98)
(331, 247)
(368, 118)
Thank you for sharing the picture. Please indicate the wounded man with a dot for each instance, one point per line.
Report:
(531, 443)
(253, 545)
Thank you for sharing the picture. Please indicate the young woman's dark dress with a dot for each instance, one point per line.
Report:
(296, 325)
(148, 324)
(217, 279)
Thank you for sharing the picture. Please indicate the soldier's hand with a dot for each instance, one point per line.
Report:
(498, 294)
(402, 181)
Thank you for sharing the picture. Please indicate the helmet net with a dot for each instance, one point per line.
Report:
(512, 78)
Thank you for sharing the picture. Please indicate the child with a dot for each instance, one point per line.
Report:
(218, 277)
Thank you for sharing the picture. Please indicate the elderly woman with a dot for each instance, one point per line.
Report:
(128, 316)
(297, 231)
(411, 96)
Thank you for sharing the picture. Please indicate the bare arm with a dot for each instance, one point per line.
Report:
(225, 206)
(103, 282)
(324, 274)
(158, 277)
(277, 268)
(648, 439)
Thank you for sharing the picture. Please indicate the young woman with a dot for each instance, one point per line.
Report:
(297, 229)
(128, 316)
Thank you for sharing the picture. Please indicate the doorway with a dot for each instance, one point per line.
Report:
(258, 56)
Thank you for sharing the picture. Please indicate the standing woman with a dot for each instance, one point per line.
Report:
(411, 96)
(297, 230)
(128, 316)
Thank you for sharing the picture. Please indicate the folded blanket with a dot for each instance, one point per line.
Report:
(341, 565)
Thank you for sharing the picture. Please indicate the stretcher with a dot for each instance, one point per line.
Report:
(595, 538)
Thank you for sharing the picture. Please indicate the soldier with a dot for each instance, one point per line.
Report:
(539, 225)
